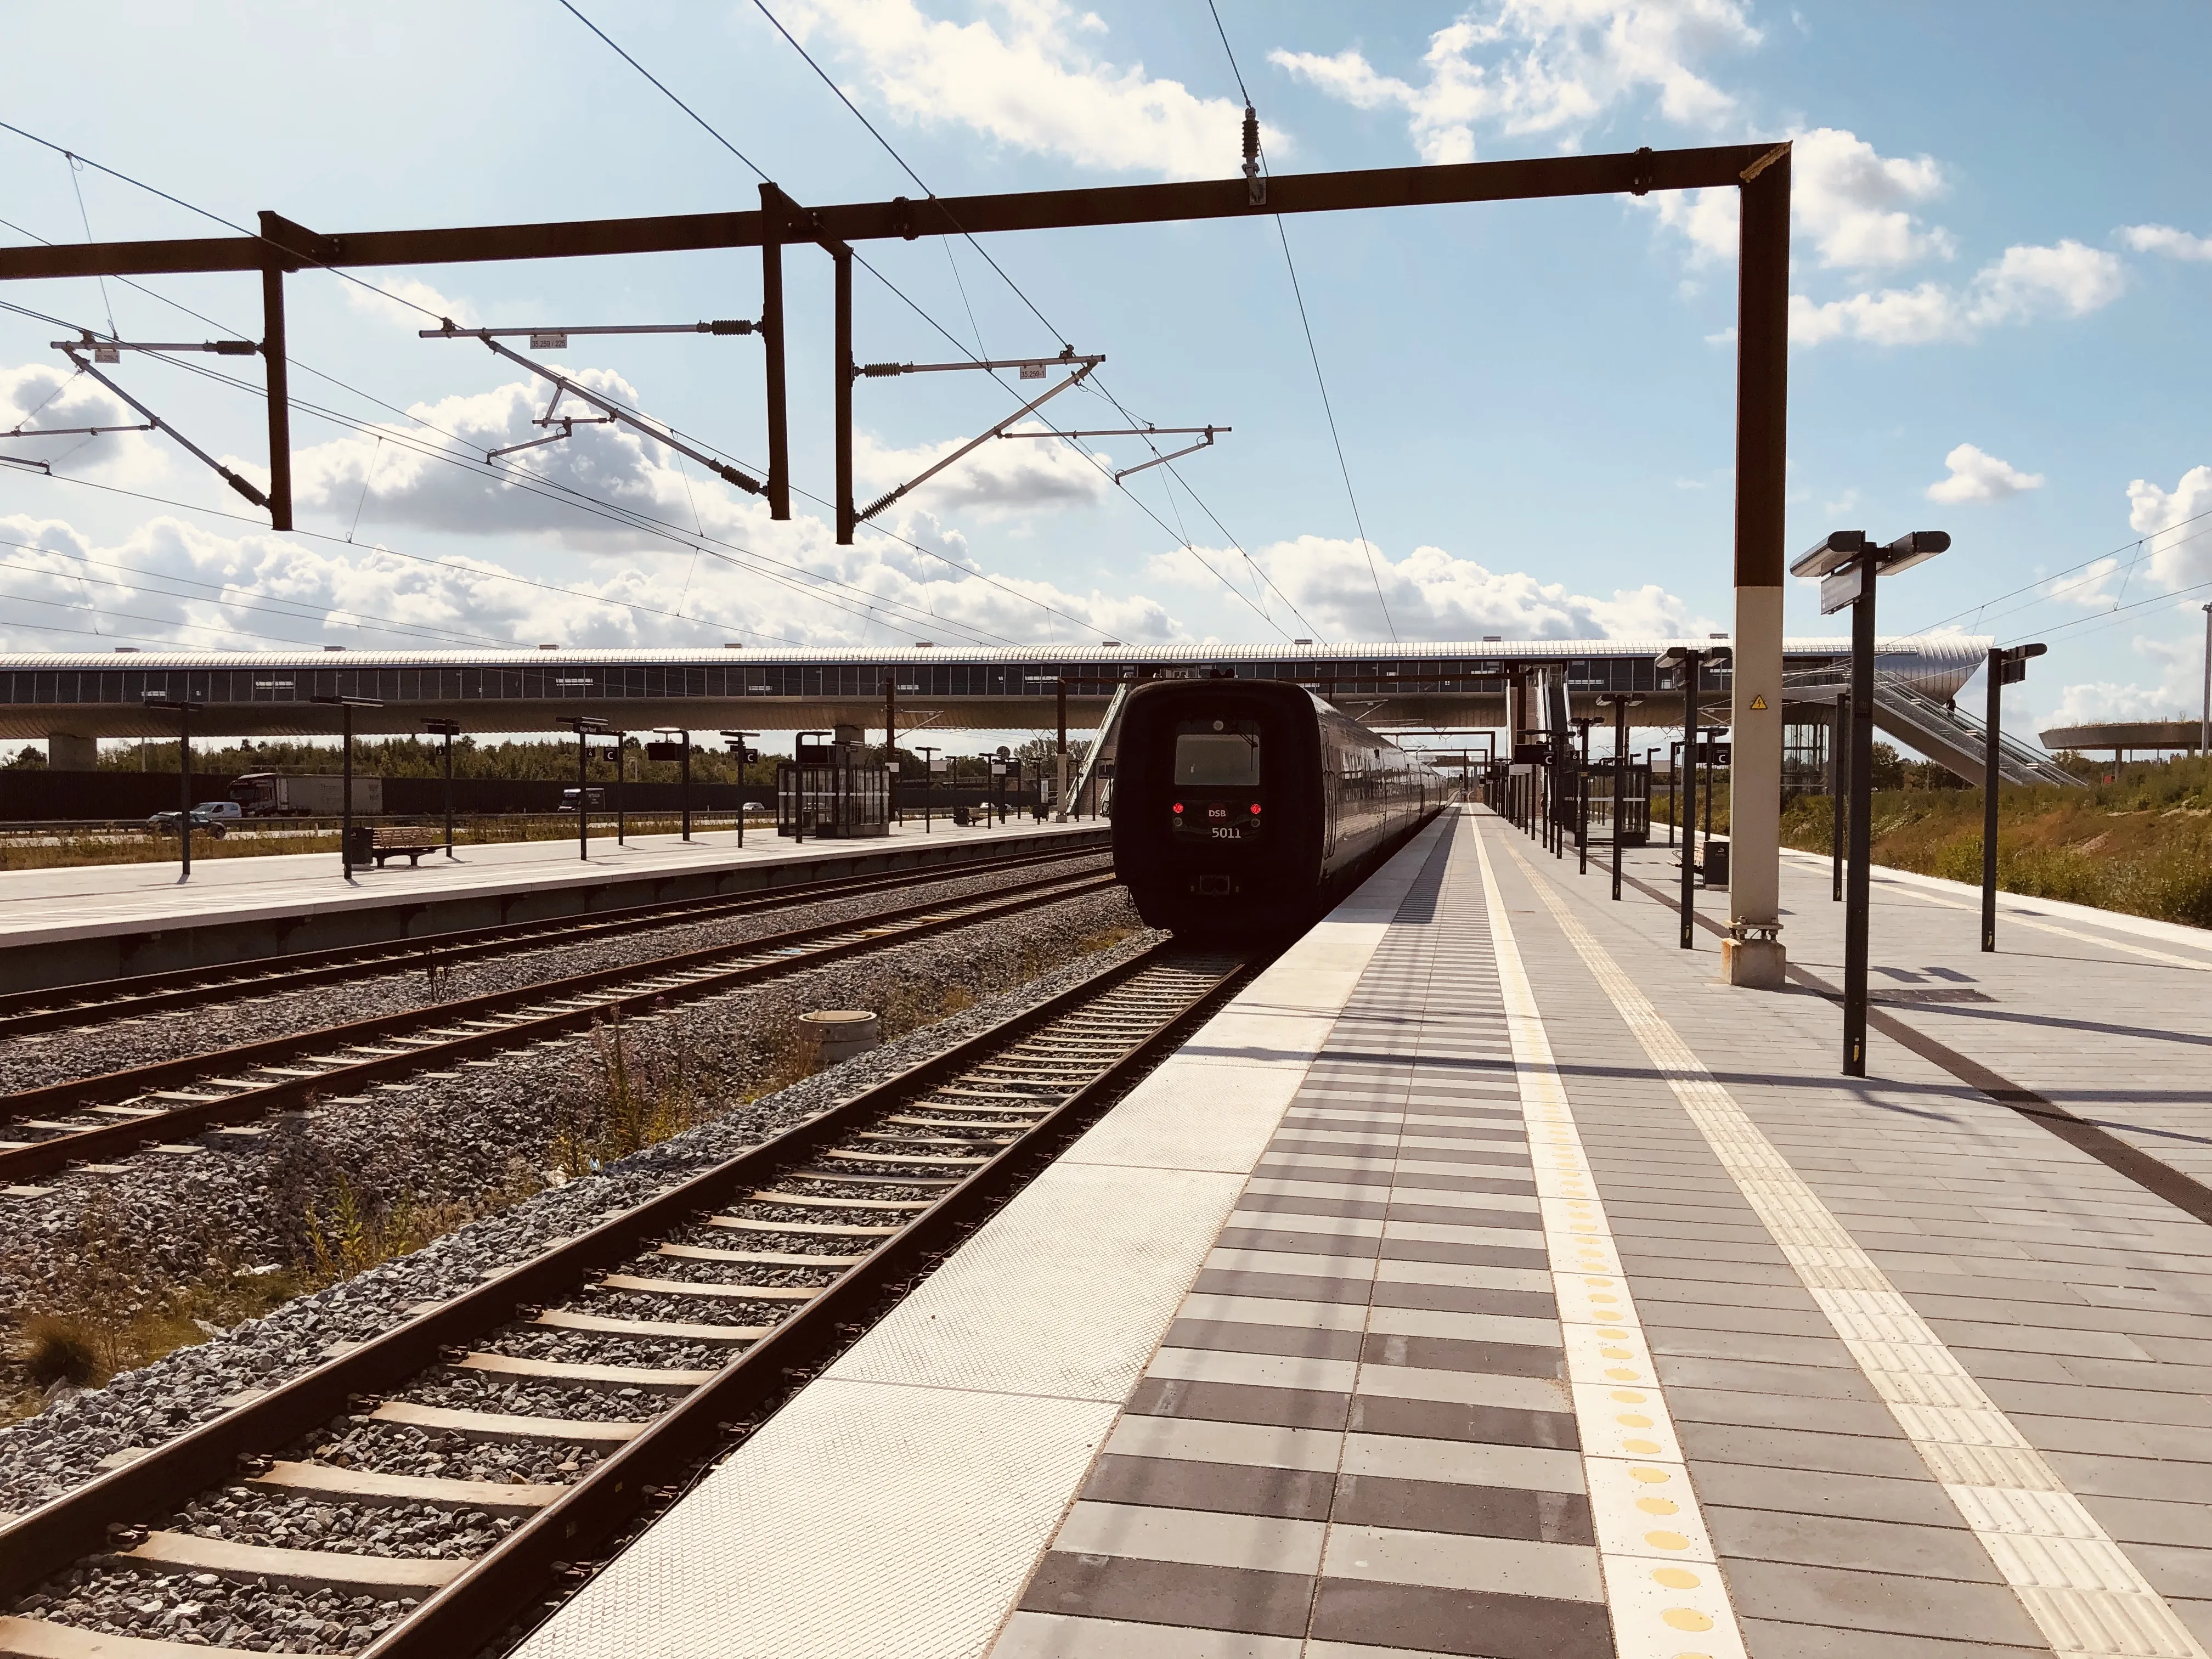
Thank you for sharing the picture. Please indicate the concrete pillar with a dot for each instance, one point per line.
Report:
(67, 752)
(1752, 955)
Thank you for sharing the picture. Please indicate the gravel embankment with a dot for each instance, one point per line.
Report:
(93, 1050)
(450, 1142)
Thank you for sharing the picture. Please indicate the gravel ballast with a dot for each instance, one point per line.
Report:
(476, 1130)
(48, 1057)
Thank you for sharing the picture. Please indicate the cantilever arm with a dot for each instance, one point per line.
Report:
(240, 484)
(1206, 442)
(1034, 403)
(652, 429)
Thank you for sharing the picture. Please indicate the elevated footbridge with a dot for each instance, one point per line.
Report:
(74, 700)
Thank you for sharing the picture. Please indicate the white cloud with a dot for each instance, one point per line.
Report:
(2069, 279)
(1554, 68)
(402, 298)
(394, 482)
(168, 581)
(1025, 79)
(1976, 477)
(1853, 203)
(2066, 279)
(2165, 238)
(1006, 477)
(2180, 551)
(40, 397)
(2174, 696)
(1849, 201)
(1433, 595)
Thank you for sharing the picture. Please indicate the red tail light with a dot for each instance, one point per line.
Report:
(1178, 806)
(1255, 807)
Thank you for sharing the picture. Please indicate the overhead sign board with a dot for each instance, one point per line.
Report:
(1841, 588)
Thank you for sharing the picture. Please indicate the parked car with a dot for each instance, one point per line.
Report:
(167, 823)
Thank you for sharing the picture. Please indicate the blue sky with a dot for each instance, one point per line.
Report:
(2000, 248)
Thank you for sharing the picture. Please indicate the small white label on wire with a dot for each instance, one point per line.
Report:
(1032, 370)
(548, 342)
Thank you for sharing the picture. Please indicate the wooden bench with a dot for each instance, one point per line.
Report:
(385, 843)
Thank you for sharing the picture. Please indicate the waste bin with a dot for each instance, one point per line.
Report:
(1715, 864)
(361, 847)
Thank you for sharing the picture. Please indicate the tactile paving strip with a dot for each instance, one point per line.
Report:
(2085, 1595)
(1662, 1580)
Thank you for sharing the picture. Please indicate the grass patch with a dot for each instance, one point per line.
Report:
(2138, 841)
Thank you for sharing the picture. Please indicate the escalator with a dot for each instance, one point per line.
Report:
(1955, 739)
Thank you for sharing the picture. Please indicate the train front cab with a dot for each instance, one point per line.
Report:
(1208, 833)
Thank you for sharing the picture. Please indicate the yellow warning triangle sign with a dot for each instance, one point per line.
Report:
(1758, 704)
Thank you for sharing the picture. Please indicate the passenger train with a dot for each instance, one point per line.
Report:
(1244, 809)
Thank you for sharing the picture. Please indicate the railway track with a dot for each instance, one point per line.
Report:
(97, 1118)
(23, 1013)
(623, 1361)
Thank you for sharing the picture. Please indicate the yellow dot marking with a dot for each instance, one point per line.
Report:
(1616, 1353)
(1642, 1448)
(1597, 1281)
(1666, 1540)
(1618, 1336)
(1652, 1477)
(1633, 1420)
(1618, 1374)
(1687, 1619)
(1601, 1296)
(1658, 1506)
(1628, 1397)
(1675, 1578)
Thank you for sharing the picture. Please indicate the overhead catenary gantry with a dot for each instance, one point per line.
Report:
(1759, 172)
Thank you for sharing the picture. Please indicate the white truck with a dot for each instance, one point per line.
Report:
(313, 795)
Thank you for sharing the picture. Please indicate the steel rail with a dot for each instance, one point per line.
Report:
(596, 1511)
(769, 957)
(22, 1012)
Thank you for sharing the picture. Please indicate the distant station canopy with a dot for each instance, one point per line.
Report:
(80, 698)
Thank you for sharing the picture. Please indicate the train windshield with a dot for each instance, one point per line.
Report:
(1218, 754)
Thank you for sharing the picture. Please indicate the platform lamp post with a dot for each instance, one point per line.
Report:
(162, 702)
(744, 757)
(2204, 722)
(928, 776)
(585, 727)
(621, 808)
(1621, 704)
(1848, 566)
(2008, 666)
(1688, 664)
(345, 706)
(448, 730)
(1839, 794)
(680, 740)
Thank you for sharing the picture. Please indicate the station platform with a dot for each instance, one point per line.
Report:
(1488, 1278)
(64, 926)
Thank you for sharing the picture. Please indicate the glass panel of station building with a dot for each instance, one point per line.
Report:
(1804, 757)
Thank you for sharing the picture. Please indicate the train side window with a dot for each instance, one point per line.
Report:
(1217, 754)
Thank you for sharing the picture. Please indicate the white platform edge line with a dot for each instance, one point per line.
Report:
(1927, 889)
(1663, 1577)
(2082, 1591)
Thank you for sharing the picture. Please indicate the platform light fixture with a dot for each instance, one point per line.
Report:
(743, 757)
(162, 702)
(2008, 665)
(1848, 566)
(345, 706)
(447, 730)
(585, 727)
